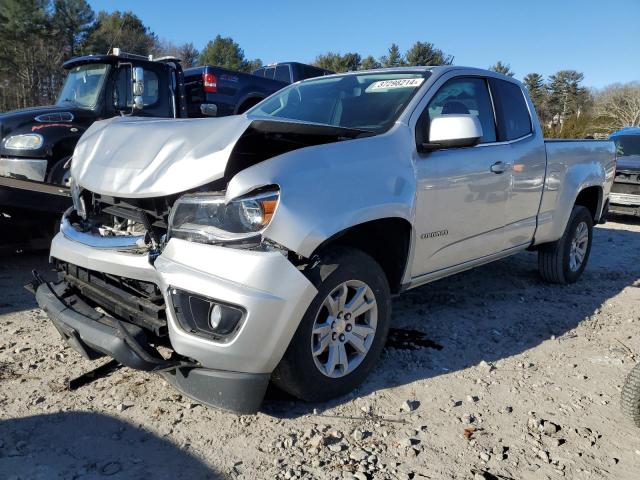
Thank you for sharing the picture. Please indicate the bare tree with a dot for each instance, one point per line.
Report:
(619, 105)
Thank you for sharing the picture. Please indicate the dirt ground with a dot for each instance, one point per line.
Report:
(488, 374)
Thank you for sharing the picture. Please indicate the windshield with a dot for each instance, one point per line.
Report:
(371, 101)
(83, 85)
(627, 145)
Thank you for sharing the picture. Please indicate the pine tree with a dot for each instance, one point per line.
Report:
(224, 52)
(393, 58)
(538, 93)
(566, 96)
(425, 53)
(369, 63)
(73, 20)
(120, 29)
(502, 68)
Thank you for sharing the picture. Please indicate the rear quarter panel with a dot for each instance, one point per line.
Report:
(572, 166)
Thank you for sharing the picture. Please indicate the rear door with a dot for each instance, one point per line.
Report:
(461, 203)
(527, 156)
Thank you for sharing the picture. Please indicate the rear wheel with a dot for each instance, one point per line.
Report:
(564, 261)
(343, 331)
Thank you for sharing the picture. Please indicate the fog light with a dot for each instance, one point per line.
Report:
(215, 317)
(224, 319)
(206, 317)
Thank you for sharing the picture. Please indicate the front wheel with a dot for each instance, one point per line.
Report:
(342, 332)
(564, 261)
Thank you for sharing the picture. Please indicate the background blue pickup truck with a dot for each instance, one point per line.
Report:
(215, 91)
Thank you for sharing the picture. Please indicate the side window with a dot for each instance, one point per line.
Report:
(283, 74)
(268, 72)
(512, 112)
(311, 72)
(122, 89)
(151, 88)
(465, 96)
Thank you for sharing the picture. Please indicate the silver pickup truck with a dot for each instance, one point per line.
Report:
(266, 246)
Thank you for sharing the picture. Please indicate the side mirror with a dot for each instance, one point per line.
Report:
(138, 87)
(455, 130)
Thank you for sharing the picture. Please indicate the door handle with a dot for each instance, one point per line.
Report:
(499, 167)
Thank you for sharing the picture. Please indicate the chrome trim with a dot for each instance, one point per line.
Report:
(624, 198)
(505, 142)
(124, 242)
(29, 168)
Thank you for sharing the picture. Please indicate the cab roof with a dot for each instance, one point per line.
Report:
(626, 131)
(110, 59)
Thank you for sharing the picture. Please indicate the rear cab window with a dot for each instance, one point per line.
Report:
(512, 111)
(283, 73)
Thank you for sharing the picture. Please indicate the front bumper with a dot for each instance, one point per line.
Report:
(94, 335)
(624, 203)
(24, 168)
(266, 285)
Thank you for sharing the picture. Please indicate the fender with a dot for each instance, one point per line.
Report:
(326, 189)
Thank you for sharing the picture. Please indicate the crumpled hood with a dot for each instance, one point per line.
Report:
(136, 157)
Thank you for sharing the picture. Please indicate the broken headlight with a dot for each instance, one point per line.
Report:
(208, 218)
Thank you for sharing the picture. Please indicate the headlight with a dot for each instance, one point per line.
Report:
(28, 141)
(207, 218)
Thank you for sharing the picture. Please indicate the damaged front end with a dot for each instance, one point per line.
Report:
(166, 268)
(162, 285)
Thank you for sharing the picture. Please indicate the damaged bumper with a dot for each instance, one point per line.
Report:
(231, 372)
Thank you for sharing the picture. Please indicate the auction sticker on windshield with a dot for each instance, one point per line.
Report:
(397, 83)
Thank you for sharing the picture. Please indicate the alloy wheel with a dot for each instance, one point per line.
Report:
(344, 328)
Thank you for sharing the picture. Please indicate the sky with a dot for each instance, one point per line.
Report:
(598, 38)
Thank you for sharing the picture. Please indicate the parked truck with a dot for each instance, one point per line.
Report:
(266, 246)
(625, 193)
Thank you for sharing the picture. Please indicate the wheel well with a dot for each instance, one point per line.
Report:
(248, 103)
(590, 197)
(386, 240)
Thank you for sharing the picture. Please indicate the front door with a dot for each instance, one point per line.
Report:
(462, 192)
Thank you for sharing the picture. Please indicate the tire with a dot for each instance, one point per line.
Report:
(630, 398)
(555, 262)
(59, 175)
(309, 377)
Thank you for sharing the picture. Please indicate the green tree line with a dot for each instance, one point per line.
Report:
(37, 36)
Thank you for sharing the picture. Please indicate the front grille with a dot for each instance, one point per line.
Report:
(152, 213)
(134, 301)
(627, 177)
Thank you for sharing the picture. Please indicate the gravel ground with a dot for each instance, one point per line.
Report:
(488, 374)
